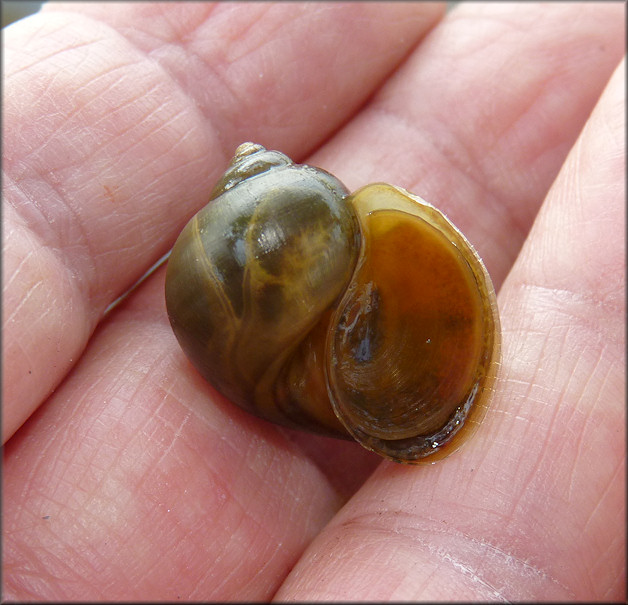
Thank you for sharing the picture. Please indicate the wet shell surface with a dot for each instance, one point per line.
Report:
(364, 315)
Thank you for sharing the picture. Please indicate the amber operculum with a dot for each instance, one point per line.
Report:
(413, 341)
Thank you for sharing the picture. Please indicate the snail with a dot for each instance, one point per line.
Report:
(364, 315)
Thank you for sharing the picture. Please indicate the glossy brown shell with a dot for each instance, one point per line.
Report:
(367, 315)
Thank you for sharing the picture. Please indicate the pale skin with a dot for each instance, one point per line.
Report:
(126, 477)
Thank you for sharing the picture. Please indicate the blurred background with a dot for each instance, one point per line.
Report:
(12, 11)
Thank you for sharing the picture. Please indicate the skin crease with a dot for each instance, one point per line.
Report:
(134, 479)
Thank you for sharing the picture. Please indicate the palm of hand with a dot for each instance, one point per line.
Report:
(134, 479)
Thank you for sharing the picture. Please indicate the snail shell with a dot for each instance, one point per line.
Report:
(366, 315)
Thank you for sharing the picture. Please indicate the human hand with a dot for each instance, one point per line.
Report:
(134, 479)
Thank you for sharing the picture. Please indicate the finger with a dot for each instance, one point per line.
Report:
(533, 507)
(115, 132)
(287, 75)
(480, 118)
(137, 481)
